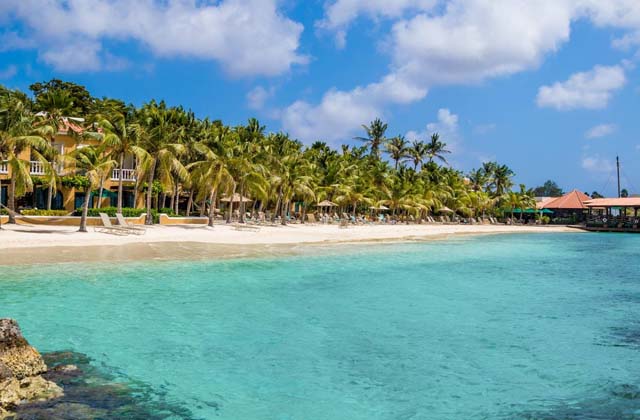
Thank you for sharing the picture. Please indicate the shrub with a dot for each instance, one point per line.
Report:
(75, 181)
(126, 212)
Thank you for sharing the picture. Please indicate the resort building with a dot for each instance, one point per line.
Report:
(613, 214)
(67, 197)
(570, 206)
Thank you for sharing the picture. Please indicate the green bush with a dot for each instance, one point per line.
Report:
(75, 181)
(126, 212)
(545, 220)
(38, 212)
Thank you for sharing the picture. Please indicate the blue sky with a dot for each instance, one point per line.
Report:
(550, 87)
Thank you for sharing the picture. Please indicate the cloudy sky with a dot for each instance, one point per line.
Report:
(549, 87)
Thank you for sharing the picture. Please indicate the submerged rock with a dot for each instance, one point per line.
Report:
(21, 367)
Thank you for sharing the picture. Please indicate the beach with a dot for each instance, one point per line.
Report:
(22, 243)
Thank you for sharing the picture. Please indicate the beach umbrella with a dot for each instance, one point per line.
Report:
(235, 198)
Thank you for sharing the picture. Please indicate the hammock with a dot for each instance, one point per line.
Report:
(29, 220)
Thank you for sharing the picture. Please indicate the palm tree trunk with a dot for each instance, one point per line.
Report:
(149, 220)
(100, 195)
(11, 201)
(355, 204)
(120, 187)
(242, 205)
(203, 207)
(304, 212)
(172, 201)
(230, 210)
(283, 213)
(212, 207)
(85, 210)
(190, 203)
(49, 196)
(177, 200)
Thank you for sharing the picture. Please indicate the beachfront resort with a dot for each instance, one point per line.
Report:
(346, 209)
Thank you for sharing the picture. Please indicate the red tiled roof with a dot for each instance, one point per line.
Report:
(614, 202)
(570, 201)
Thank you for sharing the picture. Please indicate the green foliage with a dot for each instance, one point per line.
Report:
(75, 181)
(80, 100)
(549, 189)
(126, 212)
(596, 194)
(545, 220)
(157, 187)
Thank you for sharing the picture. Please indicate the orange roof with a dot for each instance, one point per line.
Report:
(614, 202)
(571, 200)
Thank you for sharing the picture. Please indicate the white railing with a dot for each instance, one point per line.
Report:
(37, 168)
(127, 174)
(4, 167)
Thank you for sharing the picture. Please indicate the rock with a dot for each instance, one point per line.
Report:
(20, 368)
(15, 352)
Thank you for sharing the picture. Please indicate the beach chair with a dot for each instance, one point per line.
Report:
(137, 230)
(107, 227)
(311, 218)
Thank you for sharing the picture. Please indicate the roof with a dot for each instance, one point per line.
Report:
(570, 201)
(541, 201)
(614, 202)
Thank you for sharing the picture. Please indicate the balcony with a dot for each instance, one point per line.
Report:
(127, 175)
(4, 168)
(37, 168)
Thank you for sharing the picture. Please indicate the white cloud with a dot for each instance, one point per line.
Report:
(247, 37)
(597, 164)
(483, 129)
(340, 114)
(460, 42)
(446, 126)
(8, 72)
(590, 90)
(257, 97)
(340, 13)
(600, 130)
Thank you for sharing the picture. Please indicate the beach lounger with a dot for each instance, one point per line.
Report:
(136, 229)
(107, 227)
(244, 226)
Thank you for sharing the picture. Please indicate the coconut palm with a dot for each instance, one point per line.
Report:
(502, 175)
(436, 149)
(417, 153)
(159, 136)
(93, 163)
(18, 138)
(120, 137)
(375, 136)
(397, 148)
(209, 174)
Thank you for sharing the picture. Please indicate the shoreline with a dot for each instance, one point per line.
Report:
(20, 244)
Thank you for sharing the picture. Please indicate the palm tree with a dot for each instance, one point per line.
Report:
(502, 175)
(120, 137)
(397, 149)
(209, 174)
(17, 139)
(417, 152)
(92, 162)
(159, 137)
(375, 136)
(436, 149)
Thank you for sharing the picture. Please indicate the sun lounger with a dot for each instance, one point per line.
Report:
(243, 226)
(107, 227)
(136, 229)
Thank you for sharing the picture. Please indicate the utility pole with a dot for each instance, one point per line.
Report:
(618, 168)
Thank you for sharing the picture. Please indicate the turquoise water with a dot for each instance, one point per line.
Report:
(513, 326)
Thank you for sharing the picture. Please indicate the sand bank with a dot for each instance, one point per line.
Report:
(24, 244)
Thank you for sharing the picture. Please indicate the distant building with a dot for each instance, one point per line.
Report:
(571, 205)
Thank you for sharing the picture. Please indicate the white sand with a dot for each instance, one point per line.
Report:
(21, 236)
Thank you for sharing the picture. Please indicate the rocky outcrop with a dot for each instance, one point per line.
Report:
(21, 367)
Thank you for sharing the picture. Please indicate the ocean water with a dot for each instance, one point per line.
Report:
(493, 327)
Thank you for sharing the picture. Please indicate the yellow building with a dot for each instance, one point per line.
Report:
(68, 198)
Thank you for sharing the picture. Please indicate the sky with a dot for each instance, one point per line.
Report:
(549, 87)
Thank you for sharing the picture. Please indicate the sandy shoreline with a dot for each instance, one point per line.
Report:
(25, 244)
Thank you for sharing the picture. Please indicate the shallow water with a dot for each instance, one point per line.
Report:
(507, 326)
